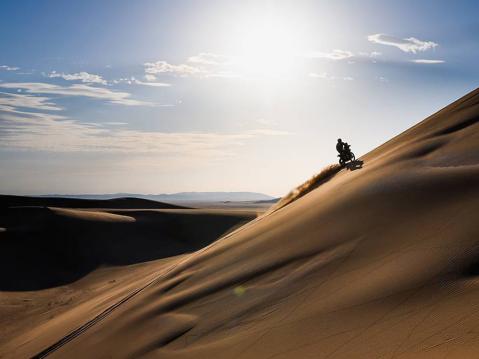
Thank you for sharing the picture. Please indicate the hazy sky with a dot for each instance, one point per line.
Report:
(168, 96)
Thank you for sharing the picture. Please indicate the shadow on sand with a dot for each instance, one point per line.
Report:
(40, 248)
(354, 165)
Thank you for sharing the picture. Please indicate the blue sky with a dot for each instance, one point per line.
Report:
(163, 96)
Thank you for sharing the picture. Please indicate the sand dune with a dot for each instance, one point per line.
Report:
(126, 202)
(55, 246)
(380, 262)
(58, 264)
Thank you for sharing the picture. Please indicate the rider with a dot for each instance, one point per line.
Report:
(343, 148)
(340, 146)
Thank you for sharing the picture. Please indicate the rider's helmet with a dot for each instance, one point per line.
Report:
(339, 140)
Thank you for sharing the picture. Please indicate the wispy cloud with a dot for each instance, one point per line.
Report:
(160, 67)
(26, 123)
(45, 132)
(372, 54)
(208, 58)
(205, 65)
(79, 76)
(149, 77)
(344, 55)
(9, 68)
(336, 54)
(410, 44)
(152, 84)
(126, 80)
(427, 61)
(115, 123)
(116, 97)
(11, 101)
(326, 76)
(22, 130)
(150, 81)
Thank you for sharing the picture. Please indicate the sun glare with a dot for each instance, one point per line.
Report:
(268, 47)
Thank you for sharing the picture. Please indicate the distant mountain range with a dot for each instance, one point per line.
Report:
(177, 197)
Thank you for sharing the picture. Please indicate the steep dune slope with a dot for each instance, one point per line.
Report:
(377, 262)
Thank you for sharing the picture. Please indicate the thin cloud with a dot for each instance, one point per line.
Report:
(121, 98)
(208, 58)
(22, 130)
(206, 65)
(149, 77)
(372, 54)
(9, 68)
(326, 76)
(127, 80)
(115, 123)
(160, 67)
(13, 101)
(427, 61)
(335, 55)
(79, 76)
(23, 127)
(410, 44)
(152, 84)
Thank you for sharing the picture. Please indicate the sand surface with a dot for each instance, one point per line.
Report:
(378, 262)
(59, 266)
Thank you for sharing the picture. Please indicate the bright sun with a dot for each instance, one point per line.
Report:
(268, 47)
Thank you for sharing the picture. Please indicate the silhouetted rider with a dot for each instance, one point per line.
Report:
(345, 153)
(340, 146)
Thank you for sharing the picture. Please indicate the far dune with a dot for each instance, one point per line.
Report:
(55, 246)
(125, 202)
(69, 260)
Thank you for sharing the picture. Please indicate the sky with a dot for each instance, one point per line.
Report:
(169, 96)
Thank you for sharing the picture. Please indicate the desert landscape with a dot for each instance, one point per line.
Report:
(257, 179)
(375, 262)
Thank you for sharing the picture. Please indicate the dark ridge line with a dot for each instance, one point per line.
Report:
(458, 126)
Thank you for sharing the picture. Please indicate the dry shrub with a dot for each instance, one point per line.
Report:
(314, 182)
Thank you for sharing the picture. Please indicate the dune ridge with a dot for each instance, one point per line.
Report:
(59, 202)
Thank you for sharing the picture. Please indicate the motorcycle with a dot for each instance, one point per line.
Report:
(346, 156)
